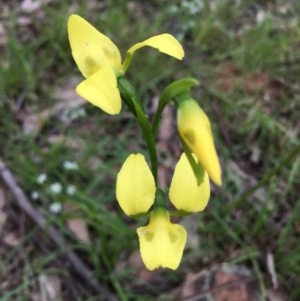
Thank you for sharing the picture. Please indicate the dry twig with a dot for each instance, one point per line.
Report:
(22, 201)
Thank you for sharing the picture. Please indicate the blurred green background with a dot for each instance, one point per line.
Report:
(65, 153)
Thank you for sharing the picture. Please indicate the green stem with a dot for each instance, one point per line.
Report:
(157, 116)
(127, 62)
(129, 95)
(160, 199)
(132, 100)
(146, 130)
(168, 94)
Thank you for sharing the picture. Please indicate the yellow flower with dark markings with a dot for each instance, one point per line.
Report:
(135, 188)
(99, 61)
(161, 242)
(195, 130)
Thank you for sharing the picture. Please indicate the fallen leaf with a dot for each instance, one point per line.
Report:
(219, 283)
(11, 239)
(67, 95)
(276, 295)
(50, 286)
(2, 199)
(77, 225)
(69, 100)
(33, 123)
(79, 228)
(3, 215)
(232, 287)
(30, 6)
(195, 283)
(72, 143)
(3, 36)
(24, 21)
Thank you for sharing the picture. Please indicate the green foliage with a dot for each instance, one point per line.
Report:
(249, 83)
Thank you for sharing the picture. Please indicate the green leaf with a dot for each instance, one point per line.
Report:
(174, 89)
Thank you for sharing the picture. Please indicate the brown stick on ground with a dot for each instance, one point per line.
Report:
(23, 202)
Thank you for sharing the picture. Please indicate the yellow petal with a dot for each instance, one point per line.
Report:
(165, 43)
(195, 129)
(135, 185)
(184, 192)
(91, 49)
(101, 90)
(161, 242)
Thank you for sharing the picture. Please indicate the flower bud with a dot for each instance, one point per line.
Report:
(195, 130)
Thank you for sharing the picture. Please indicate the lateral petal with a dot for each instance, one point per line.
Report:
(184, 192)
(135, 188)
(165, 43)
(100, 89)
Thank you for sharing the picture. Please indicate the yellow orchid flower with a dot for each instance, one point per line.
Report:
(195, 130)
(184, 193)
(99, 61)
(135, 188)
(161, 242)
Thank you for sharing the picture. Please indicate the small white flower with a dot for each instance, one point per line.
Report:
(72, 115)
(55, 207)
(193, 7)
(173, 9)
(56, 188)
(260, 16)
(41, 178)
(64, 116)
(69, 165)
(77, 113)
(71, 189)
(35, 195)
